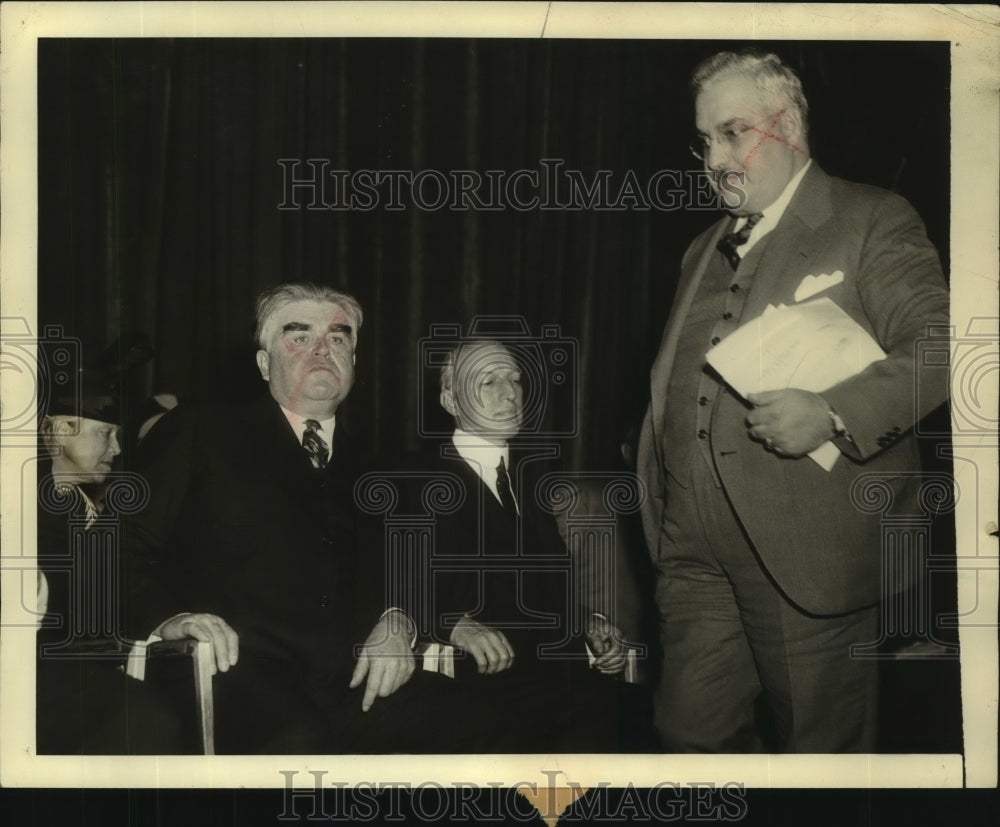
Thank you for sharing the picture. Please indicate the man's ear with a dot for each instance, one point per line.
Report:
(448, 402)
(264, 365)
(792, 129)
(61, 426)
(54, 431)
(47, 430)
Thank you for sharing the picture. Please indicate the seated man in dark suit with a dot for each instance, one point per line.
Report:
(505, 600)
(251, 541)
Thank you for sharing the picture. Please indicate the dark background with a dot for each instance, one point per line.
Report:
(159, 184)
(158, 194)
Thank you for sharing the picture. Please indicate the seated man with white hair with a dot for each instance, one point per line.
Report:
(500, 585)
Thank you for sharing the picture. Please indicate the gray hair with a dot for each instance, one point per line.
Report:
(272, 300)
(775, 80)
(447, 376)
(448, 370)
(47, 432)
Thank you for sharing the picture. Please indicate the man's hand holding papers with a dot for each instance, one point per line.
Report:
(790, 422)
(781, 362)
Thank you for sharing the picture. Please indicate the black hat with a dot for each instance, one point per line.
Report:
(91, 396)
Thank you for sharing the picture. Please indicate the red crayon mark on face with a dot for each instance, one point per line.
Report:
(744, 135)
(767, 133)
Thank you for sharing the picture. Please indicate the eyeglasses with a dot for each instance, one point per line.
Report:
(733, 135)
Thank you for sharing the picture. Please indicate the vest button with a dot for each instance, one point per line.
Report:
(727, 315)
(702, 434)
(703, 401)
(716, 340)
(734, 288)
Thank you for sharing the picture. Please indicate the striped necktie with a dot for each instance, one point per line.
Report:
(318, 450)
(728, 243)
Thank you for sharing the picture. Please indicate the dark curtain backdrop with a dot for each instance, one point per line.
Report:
(160, 184)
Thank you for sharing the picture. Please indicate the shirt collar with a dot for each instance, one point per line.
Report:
(483, 456)
(772, 213)
(298, 423)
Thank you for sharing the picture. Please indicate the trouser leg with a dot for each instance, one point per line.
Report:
(708, 684)
(728, 631)
(822, 699)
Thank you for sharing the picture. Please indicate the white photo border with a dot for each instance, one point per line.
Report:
(975, 217)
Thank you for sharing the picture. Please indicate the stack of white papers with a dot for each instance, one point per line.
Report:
(810, 346)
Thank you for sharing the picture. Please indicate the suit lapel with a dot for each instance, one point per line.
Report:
(662, 367)
(476, 490)
(273, 442)
(790, 247)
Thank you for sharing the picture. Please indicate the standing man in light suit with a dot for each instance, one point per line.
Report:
(767, 570)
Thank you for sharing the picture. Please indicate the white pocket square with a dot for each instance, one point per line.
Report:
(811, 285)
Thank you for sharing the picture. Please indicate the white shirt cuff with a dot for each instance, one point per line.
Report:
(137, 657)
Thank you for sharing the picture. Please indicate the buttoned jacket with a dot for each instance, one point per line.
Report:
(822, 535)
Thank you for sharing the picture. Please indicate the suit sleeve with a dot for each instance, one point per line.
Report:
(153, 569)
(411, 582)
(904, 295)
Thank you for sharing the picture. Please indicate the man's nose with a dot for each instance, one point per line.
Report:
(717, 156)
(115, 447)
(322, 346)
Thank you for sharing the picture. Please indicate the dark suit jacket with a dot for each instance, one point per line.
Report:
(510, 574)
(241, 525)
(818, 535)
(84, 702)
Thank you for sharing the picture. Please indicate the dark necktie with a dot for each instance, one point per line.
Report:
(318, 450)
(503, 487)
(727, 244)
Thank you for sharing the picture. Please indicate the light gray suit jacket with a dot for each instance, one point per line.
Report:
(819, 533)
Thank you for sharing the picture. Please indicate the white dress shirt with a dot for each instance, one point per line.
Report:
(770, 215)
(298, 423)
(483, 457)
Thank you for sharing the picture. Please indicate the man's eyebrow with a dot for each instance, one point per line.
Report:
(292, 327)
(718, 127)
(731, 122)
